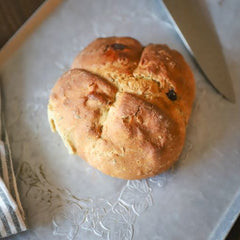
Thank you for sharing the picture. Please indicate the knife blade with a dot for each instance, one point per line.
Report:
(194, 26)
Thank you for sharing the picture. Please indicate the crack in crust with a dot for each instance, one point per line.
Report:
(115, 97)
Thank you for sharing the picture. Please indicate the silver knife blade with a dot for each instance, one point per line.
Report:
(193, 24)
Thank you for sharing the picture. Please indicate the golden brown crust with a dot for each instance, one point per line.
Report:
(120, 55)
(145, 136)
(77, 105)
(124, 108)
(167, 67)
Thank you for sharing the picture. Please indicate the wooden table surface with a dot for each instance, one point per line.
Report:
(13, 13)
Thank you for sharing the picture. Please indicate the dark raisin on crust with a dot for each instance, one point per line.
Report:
(172, 95)
(118, 46)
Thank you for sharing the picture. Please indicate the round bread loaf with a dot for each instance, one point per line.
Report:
(123, 107)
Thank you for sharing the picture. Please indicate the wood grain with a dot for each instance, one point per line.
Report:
(234, 234)
(13, 13)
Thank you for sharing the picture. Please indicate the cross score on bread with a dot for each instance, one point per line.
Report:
(123, 107)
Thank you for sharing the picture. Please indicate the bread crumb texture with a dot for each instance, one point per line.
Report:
(123, 107)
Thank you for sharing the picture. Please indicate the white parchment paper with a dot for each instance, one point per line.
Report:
(64, 198)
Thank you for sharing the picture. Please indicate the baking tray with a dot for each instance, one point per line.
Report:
(64, 198)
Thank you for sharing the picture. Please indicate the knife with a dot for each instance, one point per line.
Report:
(193, 24)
